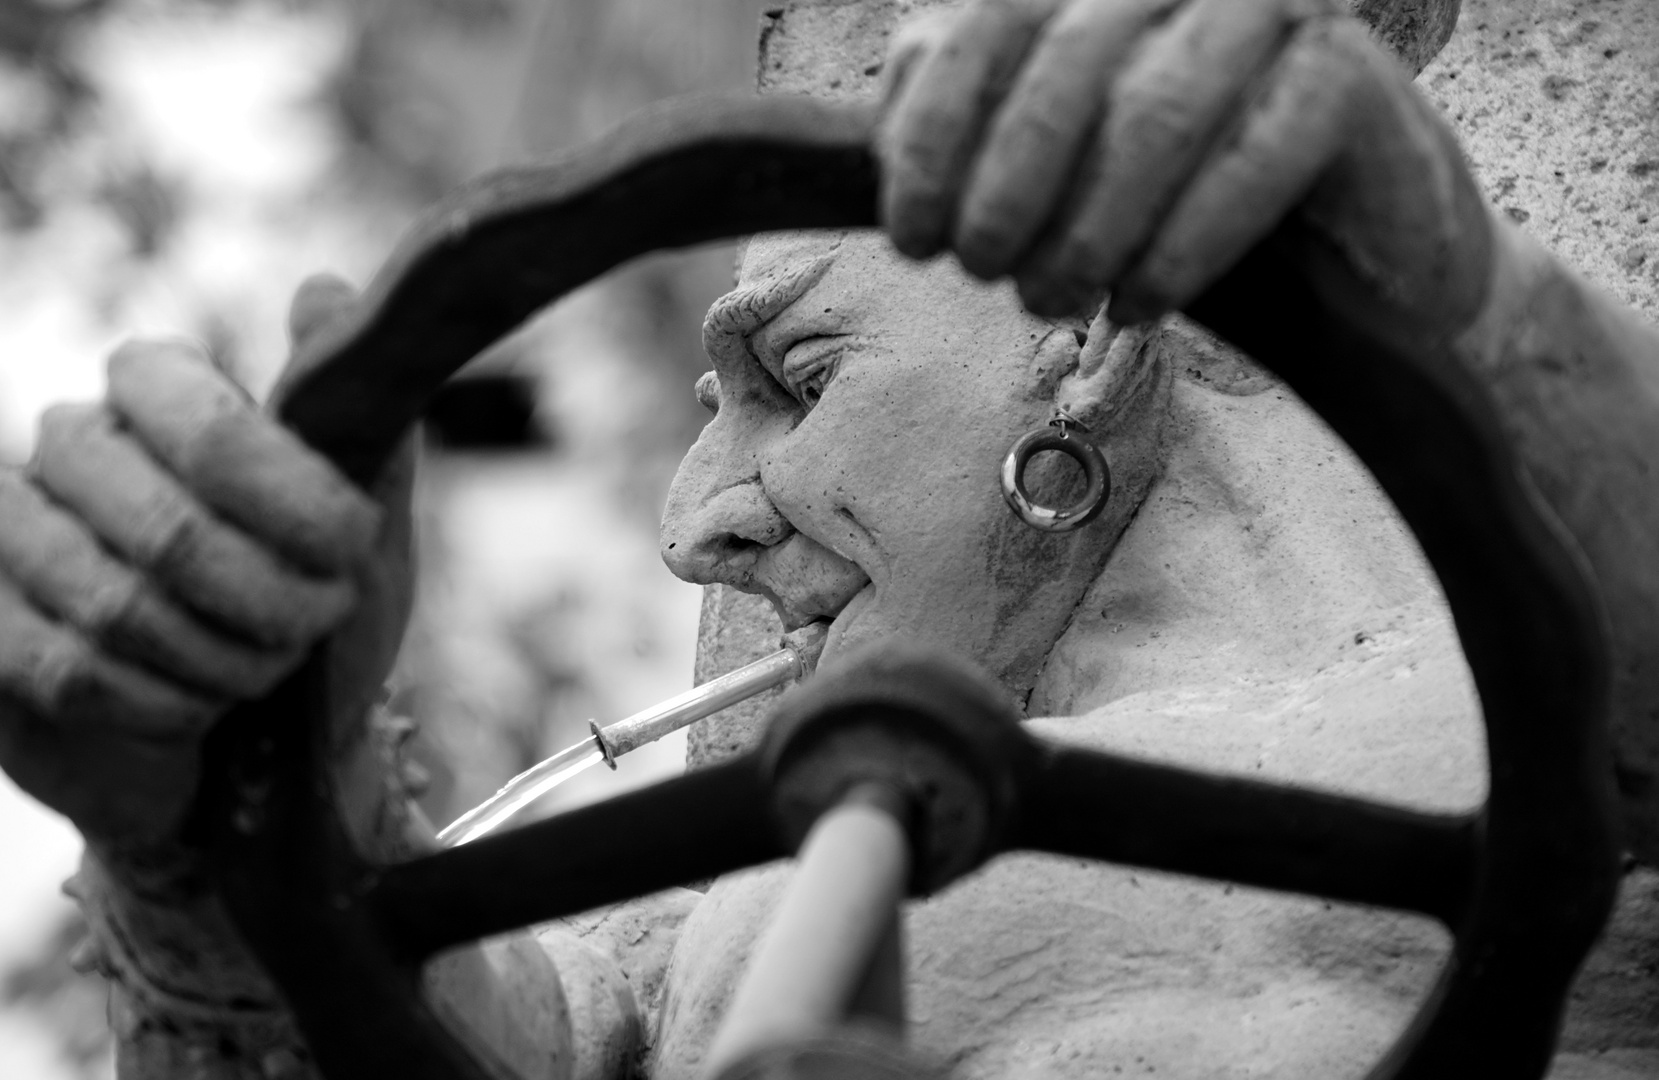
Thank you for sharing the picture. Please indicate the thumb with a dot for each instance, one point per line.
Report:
(320, 302)
(320, 299)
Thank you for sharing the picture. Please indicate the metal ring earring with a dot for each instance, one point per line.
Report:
(1065, 435)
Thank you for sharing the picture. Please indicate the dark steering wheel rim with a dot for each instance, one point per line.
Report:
(1525, 885)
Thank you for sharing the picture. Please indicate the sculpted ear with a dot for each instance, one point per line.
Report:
(1056, 359)
(1112, 372)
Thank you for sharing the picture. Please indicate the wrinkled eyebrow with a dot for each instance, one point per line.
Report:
(735, 317)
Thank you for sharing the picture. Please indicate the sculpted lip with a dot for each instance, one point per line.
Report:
(805, 581)
(796, 612)
(846, 617)
(843, 612)
(809, 580)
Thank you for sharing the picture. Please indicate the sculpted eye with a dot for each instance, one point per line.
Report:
(810, 364)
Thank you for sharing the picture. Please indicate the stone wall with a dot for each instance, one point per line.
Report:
(1555, 101)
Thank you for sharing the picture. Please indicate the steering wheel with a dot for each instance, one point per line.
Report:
(1525, 884)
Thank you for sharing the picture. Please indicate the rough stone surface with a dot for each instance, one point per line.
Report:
(735, 629)
(829, 49)
(1554, 102)
(612, 962)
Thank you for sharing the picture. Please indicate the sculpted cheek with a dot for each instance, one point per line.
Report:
(807, 580)
(817, 474)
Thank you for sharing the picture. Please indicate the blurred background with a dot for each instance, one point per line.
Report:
(179, 166)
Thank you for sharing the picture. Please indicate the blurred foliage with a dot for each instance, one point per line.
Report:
(50, 95)
(44, 95)
(594, 61)
(418, 95)
(73, 1005)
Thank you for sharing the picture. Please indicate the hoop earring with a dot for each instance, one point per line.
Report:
(1063, 434)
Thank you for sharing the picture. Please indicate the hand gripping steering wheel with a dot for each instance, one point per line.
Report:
(1525, 884)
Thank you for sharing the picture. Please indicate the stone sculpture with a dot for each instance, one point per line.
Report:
(1245, 601)
(1235, 624)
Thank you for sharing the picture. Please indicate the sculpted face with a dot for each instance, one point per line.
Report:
(863, 405)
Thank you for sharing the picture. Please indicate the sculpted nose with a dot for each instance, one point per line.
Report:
(711, 536)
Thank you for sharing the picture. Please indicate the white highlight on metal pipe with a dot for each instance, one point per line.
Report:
(611, 742)
(520, 792)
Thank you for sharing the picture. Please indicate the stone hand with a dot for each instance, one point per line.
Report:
(168, 551)
(1144, 146)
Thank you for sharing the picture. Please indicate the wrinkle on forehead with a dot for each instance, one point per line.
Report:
(734, 317)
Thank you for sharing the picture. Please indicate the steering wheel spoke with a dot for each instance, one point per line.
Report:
(690, 828)
(1121, 810)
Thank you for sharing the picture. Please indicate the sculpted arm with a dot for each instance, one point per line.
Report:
(1575, 374)
(1137, 149)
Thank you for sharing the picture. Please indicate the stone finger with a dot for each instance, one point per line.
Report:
(141, 512)
(319, 316)
(57, 562)
(1042, 291)
(237, 461)
(1036, 139)
(929, 134)
(60, 675)
(915, 38)
(1175, 99)
(1288, 138)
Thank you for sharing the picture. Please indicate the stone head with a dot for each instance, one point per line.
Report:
(862, 407)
